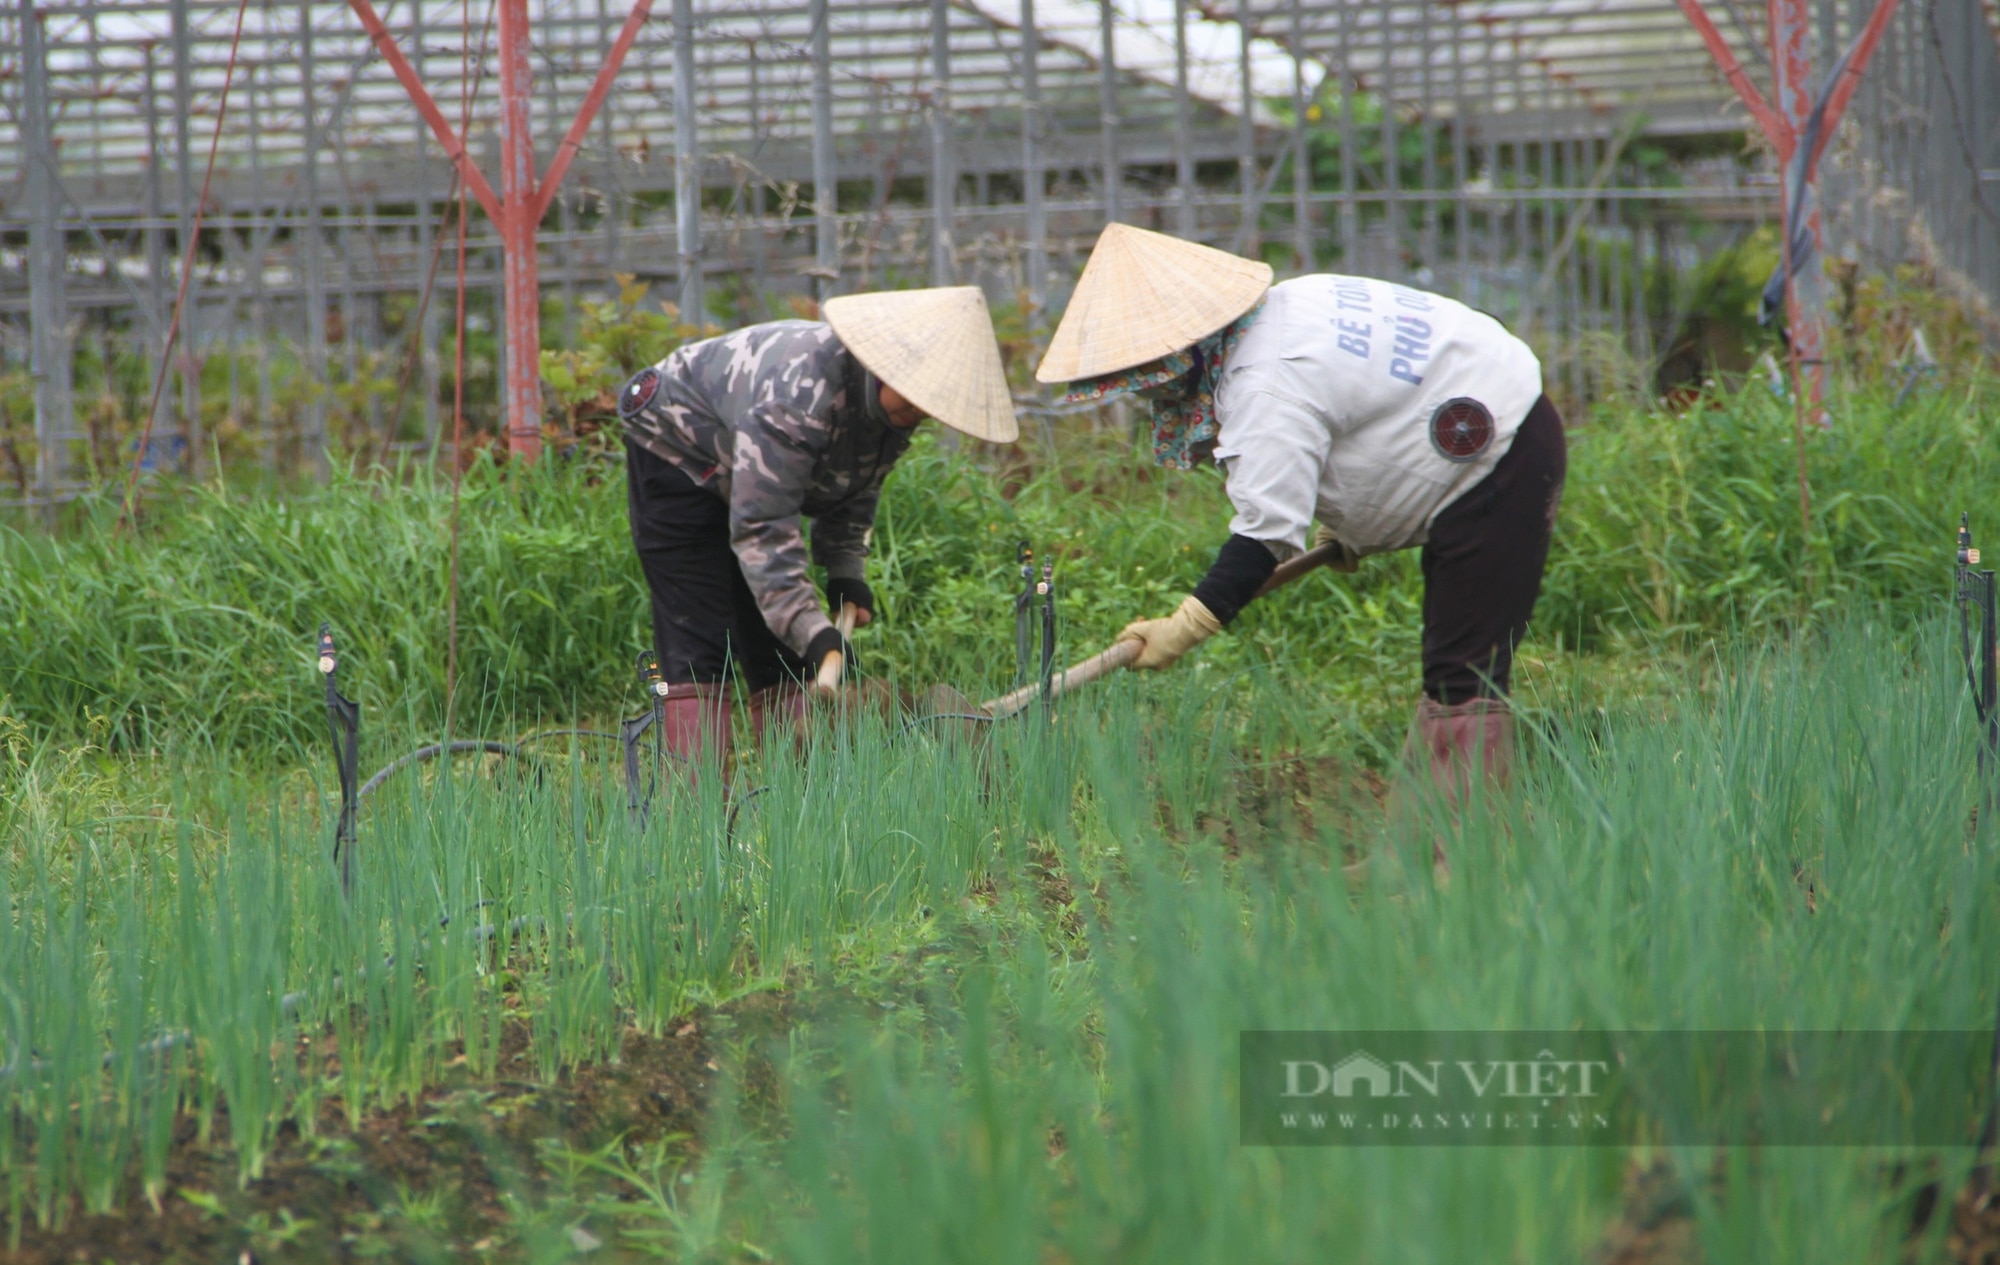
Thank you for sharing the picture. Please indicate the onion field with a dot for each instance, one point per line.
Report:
(925, 989)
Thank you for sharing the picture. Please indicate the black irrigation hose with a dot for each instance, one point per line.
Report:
(540, 734)
(458, 747)
(464, 746)
(735, 807)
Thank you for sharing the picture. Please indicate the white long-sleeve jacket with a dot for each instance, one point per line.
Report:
(1365, 405)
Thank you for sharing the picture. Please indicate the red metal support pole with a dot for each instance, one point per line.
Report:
(522, 201)
(587, 112)
(1725, 60)
(1805, 291)
(1850, 78)
(1783, 121)
(454, 145)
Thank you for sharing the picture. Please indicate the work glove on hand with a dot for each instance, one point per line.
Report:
(854, 591)
(826, 641)
(1166, 640)
(1349, 561)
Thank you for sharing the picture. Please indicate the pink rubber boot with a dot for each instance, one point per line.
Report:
(696, 725)
(1454, 741)
(783, 706)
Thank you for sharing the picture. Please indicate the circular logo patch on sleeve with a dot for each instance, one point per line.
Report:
(1461, 429)
(639, 392)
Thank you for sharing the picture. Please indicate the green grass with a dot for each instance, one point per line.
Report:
(200, 626)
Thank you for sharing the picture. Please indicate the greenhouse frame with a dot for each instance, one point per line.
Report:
(1568, 165)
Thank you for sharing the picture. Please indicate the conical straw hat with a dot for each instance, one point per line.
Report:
(937, 348)
(1143, 295)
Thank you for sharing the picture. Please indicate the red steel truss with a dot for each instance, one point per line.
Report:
(1784, 125)
(522, 201)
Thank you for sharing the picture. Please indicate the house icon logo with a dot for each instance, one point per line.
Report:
(1363, 1067)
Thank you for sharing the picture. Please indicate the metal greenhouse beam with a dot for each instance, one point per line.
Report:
(1183, 127)
(1034, 178)
(518, 208)
(1107, 111)
(48, 320)
(687, 168)
(944, 173)
(191, 353)
(826, 176)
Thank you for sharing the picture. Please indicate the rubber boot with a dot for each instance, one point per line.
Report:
(696, 728)
(783, 706)
(1452, 742)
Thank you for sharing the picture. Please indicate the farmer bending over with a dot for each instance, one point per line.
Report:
(731, 440)
(1394, 417)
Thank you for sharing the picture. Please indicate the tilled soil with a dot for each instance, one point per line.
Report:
(1657, 1226)
(464, 1150)
(1974, 1236)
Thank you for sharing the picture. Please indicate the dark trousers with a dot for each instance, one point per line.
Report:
(704, 616)
(1483, 563)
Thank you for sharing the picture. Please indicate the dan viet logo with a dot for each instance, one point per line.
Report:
(1441, 1095)
(1544, 1076)
(1599, 1088)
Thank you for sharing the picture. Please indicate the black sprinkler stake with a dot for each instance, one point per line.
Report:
(638, 793)
(1048, 591)
(343, 715)
(1023, 616)
(1973, 591)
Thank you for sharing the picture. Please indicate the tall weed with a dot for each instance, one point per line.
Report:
(1675, 526)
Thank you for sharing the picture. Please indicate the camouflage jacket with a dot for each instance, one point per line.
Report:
(774, 420)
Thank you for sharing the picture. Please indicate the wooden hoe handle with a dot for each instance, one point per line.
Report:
(1120, 654)
(1310, 560)
(835, 663)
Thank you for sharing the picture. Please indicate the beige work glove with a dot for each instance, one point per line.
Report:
(1349, 561)
(1166, 640)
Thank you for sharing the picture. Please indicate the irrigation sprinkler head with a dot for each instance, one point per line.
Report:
(651, 679)
(1967, 576)
(328, 660)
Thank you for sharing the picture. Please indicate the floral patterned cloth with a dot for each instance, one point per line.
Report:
(1184, 419)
